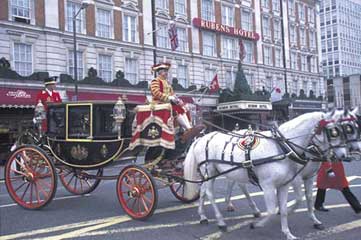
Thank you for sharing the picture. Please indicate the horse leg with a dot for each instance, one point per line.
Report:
(309, 198)
(251, 203)
(271, 204)
(297, 188)
(283, 195)
(230, 206)
(202, 198)
(209, 191)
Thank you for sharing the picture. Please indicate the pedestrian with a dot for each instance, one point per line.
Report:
(332, 175)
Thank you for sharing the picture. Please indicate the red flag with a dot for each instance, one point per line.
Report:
(172, 32)
(214, 85)
(242, 51)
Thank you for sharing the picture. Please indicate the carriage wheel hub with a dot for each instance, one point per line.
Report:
(135, 192)
(30, 177)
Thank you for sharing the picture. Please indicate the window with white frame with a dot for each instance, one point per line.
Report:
(314, 88)
(80, 64)
(277, 29)
(209, 75)
(247, 20)
(293, 60)
(229, 48)
(162, 4)
(180, 7)
(265, 3)
(276, 5)
(182, 75)
(291, 7)
(301, 12)
(266, 26)
(21, 9)
(23, 61)
(227, 15)
(311, 15)
(105, 67)
(295, 86)
(267, 55)
(278, 57)
(104, 23)
(162, 35)
(293, 33)
(130, 28)
(312, 39)
(230, 77)
(182, 39)
(303, 63)
(313, 65)
(208, 10)
(305, 86)
(209, 44)
(248, 48)
(131, 70)
(303, 36)
(71, 9)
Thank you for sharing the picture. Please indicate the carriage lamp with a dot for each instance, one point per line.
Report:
(39, 116)
(119, 114)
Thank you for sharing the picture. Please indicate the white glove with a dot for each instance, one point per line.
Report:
(173, 99)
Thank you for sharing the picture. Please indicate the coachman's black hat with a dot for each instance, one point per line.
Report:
(50, 80)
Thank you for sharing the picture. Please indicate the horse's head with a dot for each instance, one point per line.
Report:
(329, 137)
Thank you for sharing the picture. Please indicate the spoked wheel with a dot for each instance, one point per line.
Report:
(177, 188)
(80, 182)
(137, 192)
(30, 177)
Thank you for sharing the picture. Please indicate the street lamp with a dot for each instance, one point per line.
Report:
(83, 5)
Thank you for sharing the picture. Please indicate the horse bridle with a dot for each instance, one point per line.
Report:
(351, 129)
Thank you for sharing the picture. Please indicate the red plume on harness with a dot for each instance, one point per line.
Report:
(323, 123)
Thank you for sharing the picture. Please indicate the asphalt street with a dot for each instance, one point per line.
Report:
(99, 216)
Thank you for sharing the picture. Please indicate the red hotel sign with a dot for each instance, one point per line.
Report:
(238, 32)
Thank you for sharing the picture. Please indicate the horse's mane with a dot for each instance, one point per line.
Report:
(289, 126)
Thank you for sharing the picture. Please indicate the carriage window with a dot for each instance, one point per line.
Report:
(56, 121)
(79, 122)
(103, 121)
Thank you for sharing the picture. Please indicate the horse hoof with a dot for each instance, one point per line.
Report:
(257, 215)
(252, 226)
(223, 228)
(319, 226)
(204, 221)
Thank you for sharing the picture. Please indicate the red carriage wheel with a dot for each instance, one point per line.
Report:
(137, 192)
(80, 182)
(30, 177)
(177, 188)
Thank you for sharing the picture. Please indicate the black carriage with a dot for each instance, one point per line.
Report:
(83, 138)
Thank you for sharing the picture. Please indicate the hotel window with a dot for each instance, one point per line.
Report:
(162, 4)
(335, 44)
(208, 10)
(277, 29)
(313, 65)
(303, 37)
(301, 12)
(291, 7)
(293, 60)
(209, 44)
(104, 23)
(230, 77)
(305, 86)
(105, 67)
(267, 55)
(230, 48)
(248, 48)
(295, 86)
(20, 10)
(311, 15)
(278, 57)
(265, 3)
(276, 5)
(23, 61)
(80, 64)
(180, 7)
(314, 88)
(247, 20)
(303, 63)
(312, 39)
(162, 35)
(227, 15)
(209, 75)
(72, 9)
(130, 28)
(182, 73)
(266, 26)
(293, 33)
(131, 70)
(182, 39)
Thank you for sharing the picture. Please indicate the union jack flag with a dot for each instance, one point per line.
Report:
(172, 32)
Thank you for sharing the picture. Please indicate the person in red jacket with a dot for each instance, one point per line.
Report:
(48, 95)
(332, 175)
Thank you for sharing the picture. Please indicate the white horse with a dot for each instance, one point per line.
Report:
(273, 176)
(350, 129)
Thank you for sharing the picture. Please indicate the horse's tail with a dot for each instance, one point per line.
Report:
(190, 173)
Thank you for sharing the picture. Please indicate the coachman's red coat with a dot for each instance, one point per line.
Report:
(339, 181)
(45, 99)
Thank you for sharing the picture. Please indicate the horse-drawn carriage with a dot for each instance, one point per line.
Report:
(84, 137)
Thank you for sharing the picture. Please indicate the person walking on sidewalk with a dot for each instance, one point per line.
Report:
(332, 175)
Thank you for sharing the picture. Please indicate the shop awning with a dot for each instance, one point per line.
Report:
(18, 97)
(97, 96)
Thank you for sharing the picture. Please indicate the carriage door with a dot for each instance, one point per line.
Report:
(79, 119)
